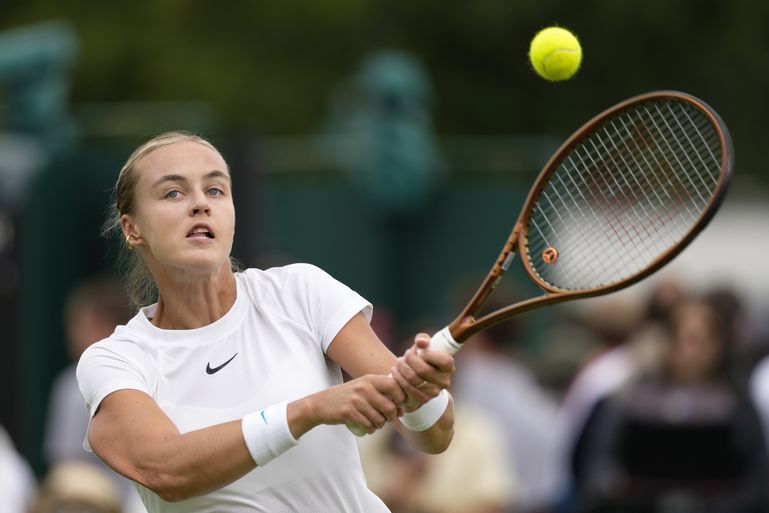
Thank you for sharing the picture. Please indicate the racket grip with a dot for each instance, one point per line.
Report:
(357, 430)
(443, 342)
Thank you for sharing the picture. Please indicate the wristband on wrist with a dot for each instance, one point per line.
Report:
(267, 434)
(428, 414)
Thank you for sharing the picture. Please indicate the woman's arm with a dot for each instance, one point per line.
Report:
(135, 437)
(360, 352)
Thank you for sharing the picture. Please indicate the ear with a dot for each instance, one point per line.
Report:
(131, 232)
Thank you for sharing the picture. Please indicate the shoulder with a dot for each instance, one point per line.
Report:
(305, 294)
(278, 283)
(128, 345)
(287, 274)
(125, 359)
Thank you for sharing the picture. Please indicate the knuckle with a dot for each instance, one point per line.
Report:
(347, 412)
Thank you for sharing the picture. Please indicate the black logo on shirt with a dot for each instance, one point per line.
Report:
(214, 370)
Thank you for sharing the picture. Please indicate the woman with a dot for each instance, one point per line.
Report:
(198, 393)
(685, 433)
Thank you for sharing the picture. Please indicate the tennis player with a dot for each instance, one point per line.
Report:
(227, 394)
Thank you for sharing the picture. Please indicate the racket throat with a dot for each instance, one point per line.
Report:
(464, 325)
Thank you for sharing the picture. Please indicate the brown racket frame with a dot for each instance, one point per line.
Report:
(465, 324)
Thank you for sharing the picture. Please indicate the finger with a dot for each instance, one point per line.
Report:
(421, 341)
(374, 410)
(409, 367)
(385, 395)
(393, 390)
(443, 362)
(440, 360)
(419, 366)
(418, 394)
(358, 423)
(386, 407)
(423, 371)
(431, 364)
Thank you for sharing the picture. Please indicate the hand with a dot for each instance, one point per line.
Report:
(422, 376)
(369, 402)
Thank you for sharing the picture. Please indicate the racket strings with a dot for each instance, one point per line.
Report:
(624, 195)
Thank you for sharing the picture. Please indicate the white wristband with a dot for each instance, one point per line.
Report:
(428, 414)
(267, 434)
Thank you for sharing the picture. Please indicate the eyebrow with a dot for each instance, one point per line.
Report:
(179, 178)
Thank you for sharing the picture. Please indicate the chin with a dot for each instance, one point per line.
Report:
(203, 264)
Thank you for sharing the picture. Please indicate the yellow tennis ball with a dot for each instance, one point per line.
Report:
(555, 54)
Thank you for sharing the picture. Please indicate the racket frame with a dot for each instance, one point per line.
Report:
(466, 324)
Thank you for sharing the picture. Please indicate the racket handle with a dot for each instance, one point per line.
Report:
(443, 342)
(357, 430)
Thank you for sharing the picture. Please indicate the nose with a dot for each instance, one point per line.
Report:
(200, 205)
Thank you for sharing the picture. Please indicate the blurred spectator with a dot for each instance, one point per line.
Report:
(91, 313)
(17, 483)
(471, 476)
(78, 487)
(759, 379)
(631, 336)
(682, 435)
(491, 378)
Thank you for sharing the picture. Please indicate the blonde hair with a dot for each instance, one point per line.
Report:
(138, 281)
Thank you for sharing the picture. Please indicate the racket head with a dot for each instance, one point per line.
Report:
(624, 195)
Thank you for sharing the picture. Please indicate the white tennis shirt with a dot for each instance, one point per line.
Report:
(268, 348)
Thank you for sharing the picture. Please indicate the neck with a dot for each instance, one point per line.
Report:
(192, 301)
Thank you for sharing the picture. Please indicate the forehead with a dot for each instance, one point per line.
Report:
(186, 158)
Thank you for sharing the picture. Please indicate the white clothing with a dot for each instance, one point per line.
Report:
(17, 483)
(270, 347)
(759, 392)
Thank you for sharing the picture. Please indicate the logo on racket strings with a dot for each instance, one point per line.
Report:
(550, 255)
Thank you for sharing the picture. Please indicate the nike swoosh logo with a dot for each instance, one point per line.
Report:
(214, 370)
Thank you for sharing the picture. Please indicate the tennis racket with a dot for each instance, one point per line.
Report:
(618, 200)
(624, 195)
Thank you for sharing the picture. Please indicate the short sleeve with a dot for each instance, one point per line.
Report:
(112, 365)
(311, 296)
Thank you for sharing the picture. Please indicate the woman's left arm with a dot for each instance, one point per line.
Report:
(358, 350)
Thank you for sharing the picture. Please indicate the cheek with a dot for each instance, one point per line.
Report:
(156, 220)
(231, 219)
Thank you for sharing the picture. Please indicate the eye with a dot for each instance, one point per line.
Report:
(214, 191)
(172, 194)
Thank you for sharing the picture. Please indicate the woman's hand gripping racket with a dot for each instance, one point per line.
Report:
(619, 199)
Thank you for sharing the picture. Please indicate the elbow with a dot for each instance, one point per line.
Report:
(438, 444)
(172, 494)
(167, 487)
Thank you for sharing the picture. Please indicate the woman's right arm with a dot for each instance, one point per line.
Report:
(135, 437)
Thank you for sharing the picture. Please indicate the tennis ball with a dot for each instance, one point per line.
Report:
(555, 54)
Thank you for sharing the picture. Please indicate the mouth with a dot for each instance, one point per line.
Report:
(200, 232)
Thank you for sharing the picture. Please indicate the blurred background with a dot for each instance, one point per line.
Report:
(373, 139)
